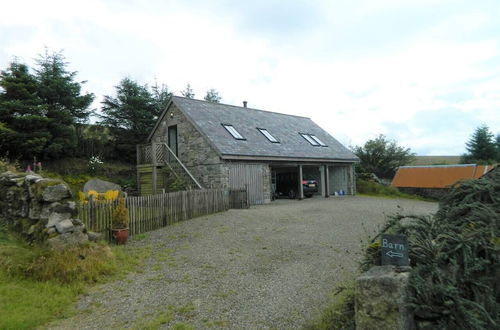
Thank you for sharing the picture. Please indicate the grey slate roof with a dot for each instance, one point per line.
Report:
(208, 118)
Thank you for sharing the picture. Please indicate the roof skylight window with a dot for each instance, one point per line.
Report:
(313, 140)
(310, 139)
(268, 135)
(233, 132)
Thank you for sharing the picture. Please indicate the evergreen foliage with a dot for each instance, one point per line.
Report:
(212, 96)
(120, 215)
(161, 95)
(131, 115)
(455, 257)
(382, 157)
(481, 147)
(188, 92)
(59, 90)
(497, 147)
(39, 110)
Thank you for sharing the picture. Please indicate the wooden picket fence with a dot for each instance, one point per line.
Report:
(151, 212)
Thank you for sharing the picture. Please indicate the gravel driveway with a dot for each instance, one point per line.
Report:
(271, 266)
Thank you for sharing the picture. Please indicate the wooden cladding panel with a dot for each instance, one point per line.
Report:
(249, 177)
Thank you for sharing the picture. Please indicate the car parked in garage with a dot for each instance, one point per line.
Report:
(310, 187)
(286, 186)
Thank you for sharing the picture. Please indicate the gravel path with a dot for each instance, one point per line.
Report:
(268, 267)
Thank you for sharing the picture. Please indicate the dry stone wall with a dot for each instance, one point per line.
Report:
(380, 299)
(41, 209)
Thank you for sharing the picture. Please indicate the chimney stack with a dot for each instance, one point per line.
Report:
(245, 104)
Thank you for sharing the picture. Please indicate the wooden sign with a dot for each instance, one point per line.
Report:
(394, 250)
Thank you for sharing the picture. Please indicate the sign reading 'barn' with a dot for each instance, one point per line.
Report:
(394, 250)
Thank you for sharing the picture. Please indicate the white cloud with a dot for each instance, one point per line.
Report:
(355, 98)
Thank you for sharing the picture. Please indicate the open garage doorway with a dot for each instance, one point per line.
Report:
(285, 181)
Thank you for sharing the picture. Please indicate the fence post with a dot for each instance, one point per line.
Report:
(153, 174)
(92, 215)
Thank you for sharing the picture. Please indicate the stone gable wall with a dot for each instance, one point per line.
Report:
(194, 151)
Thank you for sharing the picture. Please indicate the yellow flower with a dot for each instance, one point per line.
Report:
(111, 195)
(93, 193)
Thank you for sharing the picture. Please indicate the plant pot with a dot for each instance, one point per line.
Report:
(120, 235)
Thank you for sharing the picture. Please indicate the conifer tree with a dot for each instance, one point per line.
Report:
(212, 96)
(130, 115)
(24, 132)
(59, 90)
(481, 146)
(39, 111)
(161, 95)
(188, 92)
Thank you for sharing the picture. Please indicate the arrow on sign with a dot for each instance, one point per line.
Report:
(394, 254)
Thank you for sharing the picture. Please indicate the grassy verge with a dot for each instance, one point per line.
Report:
(339, 312)
(38, 286)
(370, 188)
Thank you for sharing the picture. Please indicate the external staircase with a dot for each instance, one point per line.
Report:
(159, 169)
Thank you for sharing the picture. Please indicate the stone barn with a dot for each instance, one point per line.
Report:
(213, 145)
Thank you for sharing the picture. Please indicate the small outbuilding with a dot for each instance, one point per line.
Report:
(435, 180)
(213, 145)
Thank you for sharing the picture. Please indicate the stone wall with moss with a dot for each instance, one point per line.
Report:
(41, 209)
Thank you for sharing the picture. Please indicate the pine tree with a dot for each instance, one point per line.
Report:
(41, 110)
(497, 145)
(66, 107)
(161, 95)
(188, 92)
(213, 96)
(25, 127)
(59, 90)
(481, 146)
(130, 116)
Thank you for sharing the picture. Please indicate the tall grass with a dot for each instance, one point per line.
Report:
(39, 285)
(338, 313)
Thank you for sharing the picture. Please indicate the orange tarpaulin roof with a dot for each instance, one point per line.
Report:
(437, 176)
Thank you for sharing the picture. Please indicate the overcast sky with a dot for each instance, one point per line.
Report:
(423, 72)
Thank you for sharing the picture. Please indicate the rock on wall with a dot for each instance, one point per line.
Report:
(380, 295)
(41, 209)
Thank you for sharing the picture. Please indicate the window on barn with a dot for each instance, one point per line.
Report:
(315, 138)
(310, 139)
(233, 132)
(268, 135)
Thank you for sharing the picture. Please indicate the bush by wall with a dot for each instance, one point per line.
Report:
(455, 257)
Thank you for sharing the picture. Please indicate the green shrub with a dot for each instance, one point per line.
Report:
(120, 215)
(455, 257)
(7, 165)
(371, 188)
